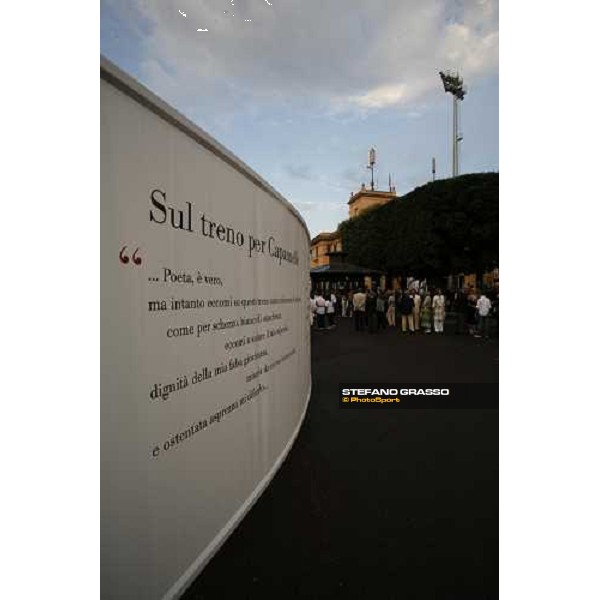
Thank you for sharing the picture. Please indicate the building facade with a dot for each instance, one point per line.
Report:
(321, 245)
(331, 241)
(365, 199)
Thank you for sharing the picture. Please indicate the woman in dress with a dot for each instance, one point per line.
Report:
(438, 304)
(344, 306)
(391, 312)
(426, 313)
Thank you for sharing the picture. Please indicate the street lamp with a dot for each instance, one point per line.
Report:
(454, 85)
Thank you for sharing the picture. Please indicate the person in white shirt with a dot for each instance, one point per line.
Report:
(313, 308)
(483, 311)
(330, 315)
(321, 307)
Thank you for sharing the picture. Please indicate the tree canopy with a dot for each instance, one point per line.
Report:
(444, 227)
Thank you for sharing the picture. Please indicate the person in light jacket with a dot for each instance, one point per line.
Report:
(438, 305)
(426, 313)
(330, 309)
(331, 312)
(391, 311)
(359, 302)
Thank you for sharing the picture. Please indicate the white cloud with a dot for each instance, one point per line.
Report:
(414, 45)
(381, 97)
(341, 55)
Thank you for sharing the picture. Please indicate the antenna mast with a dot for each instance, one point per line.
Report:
(371, 166)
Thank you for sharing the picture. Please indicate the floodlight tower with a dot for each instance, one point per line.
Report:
(371, 165)
(454, 84)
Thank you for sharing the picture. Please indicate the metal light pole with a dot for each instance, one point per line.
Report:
(454, 85)
(454, 136)
(371, 165)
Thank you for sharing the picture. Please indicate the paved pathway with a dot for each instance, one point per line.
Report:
(392, 504)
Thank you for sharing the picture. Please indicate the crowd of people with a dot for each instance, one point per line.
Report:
(411, 310)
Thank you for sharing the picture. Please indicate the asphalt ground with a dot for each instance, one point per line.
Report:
(382, 504)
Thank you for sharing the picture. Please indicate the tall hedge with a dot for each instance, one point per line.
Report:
(445, 227)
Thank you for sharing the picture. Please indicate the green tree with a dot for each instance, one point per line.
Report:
(444, 227)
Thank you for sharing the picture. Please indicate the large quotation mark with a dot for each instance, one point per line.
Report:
(137, 260)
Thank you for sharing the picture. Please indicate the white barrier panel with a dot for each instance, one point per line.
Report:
(205, 373)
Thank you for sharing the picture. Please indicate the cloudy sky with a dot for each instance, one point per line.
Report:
(301, 89)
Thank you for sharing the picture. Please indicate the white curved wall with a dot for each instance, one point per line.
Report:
(180, 468)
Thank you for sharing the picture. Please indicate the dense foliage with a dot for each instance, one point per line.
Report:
(445, 227)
